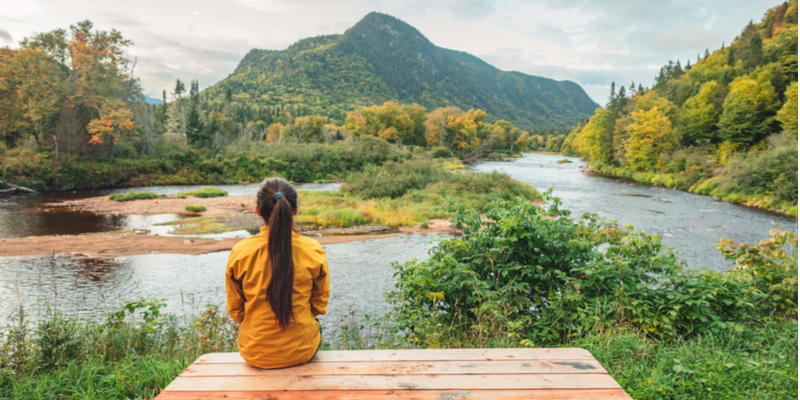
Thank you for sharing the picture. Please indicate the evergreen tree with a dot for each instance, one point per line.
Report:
(731, 56)
(755, 53)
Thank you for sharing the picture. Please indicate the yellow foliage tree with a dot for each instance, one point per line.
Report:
(649, 135)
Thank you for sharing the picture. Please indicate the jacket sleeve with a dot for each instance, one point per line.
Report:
(235, 293)
(321, 291)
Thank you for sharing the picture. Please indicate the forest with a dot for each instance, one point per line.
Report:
(725, 126)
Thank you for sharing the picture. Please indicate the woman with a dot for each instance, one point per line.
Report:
(277, 283)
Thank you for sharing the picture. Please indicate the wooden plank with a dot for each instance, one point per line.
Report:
(558, 394)
(394, 382)
(404, 368)
(426, 355)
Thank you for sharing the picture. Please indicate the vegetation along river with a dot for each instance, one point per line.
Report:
(361, 271)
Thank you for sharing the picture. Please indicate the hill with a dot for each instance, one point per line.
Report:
(382, 58)
(725, 126)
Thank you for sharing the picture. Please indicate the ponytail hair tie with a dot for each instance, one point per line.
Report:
(278, 196)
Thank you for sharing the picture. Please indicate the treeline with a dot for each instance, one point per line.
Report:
(71, 96)
(725, 126)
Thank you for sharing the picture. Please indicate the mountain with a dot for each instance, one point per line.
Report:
(152, 100)
(382, 58)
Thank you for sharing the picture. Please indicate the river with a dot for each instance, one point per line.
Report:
(361, 271)
(690, 224)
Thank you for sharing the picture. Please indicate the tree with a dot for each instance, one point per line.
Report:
(697, 121)
(747, 111)
(194, 123)
(175, 127)
(787, 115)
(84, 70)
(113, 125)
(650, 135)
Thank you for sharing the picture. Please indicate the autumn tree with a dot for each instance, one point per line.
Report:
(650, 135)
(747, 111)
(787, 115)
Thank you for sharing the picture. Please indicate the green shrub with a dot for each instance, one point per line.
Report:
(530, 272)
(195, 209)
(133, 196)
(204, 193)
(441, 152)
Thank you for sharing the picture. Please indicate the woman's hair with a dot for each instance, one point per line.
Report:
(276, 201)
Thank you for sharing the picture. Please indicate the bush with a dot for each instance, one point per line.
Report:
(133, 196)
(530, 272)
(441, 152)
(204, 193)
(195, 209)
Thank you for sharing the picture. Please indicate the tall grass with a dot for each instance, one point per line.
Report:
(138, 355)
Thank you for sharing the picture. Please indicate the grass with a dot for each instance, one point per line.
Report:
(204, 193)
(67, 358)
(564, 161)
(757, 363)
(195, 209)
(133, 196)
(406, 194)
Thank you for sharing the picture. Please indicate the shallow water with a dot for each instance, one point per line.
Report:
(27, 215)
(690, 224)
(360, 273)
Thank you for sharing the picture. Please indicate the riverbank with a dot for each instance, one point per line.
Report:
(708, 187)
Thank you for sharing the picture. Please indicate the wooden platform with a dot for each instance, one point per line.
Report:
(457, 374)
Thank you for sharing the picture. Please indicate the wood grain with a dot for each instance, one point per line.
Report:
(394, 382)
(403, 368)
(544, 394)
(426, 355)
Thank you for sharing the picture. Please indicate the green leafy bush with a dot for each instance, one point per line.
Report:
(133, 196)
(195, 209)
(441, 152)
(204, 193)
(529, 272)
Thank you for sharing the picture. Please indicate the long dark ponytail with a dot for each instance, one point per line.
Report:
(277, 200)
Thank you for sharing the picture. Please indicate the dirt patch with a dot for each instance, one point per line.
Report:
(434, 226)
(128, 243)
(164, 205)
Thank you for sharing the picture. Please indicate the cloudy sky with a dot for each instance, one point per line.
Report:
(591, 42)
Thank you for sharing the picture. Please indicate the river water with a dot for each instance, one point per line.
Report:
(690, 224)
(360, 271)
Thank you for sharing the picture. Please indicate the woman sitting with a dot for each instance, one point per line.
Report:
(277, 282)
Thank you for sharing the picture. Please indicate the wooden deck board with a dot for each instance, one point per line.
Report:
(426, 355)
(403, 368)
(396, 382)
(544, 394)
(462, 374)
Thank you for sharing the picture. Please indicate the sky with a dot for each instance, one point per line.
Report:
(590, 42)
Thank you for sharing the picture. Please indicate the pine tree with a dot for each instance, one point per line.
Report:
(706, 54)
(175, 126)
(731, 56)
(755, 53)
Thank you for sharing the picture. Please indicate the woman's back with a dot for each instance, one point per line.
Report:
(277, 282)
(262, 343)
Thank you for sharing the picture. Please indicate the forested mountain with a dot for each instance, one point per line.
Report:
(382, 58)
(725, 126)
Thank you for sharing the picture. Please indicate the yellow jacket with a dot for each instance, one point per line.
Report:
(262, 343)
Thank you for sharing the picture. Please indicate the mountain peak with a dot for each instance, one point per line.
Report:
(382, 58)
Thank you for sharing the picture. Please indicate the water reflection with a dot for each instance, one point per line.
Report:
(28, 215)
(360, 273)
